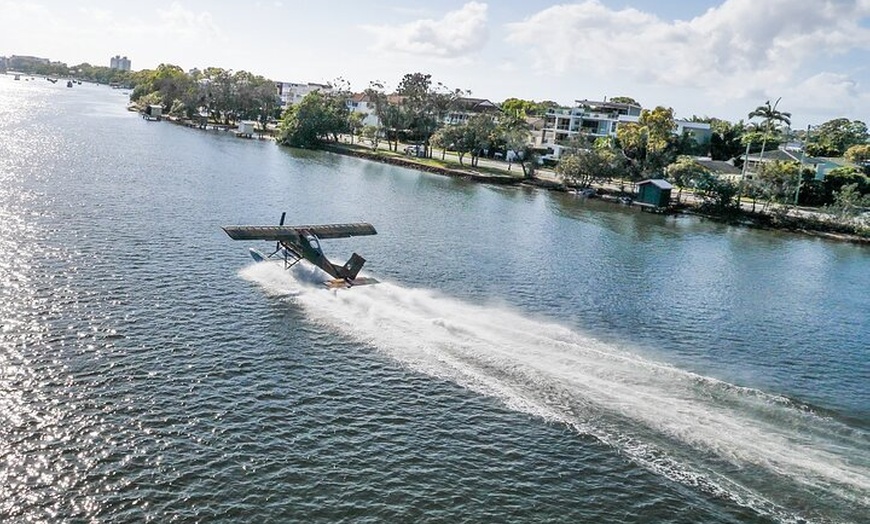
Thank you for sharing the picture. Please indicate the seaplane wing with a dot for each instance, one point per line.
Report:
(296, 243)
(292, 233)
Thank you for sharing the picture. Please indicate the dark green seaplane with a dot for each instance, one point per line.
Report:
(295, 243)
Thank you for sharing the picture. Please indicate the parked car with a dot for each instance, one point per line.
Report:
(415, 150)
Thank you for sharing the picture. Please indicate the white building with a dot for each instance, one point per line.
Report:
(120, 63)
(700, 132)
(595, 119)
(362, 104)
(293, 93)
(602, 119)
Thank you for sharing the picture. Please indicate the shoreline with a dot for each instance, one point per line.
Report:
(746, 220)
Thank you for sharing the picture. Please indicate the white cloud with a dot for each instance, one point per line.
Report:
(826, 94)
(734, 49)
(179, 21)
(457, 34)
(15, 11)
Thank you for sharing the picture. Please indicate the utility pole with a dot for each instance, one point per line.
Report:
(743, 177)
(797, 192)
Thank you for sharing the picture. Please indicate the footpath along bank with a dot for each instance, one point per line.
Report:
(810, 222)
(807, 222)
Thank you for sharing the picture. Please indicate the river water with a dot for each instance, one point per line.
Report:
(528, 356)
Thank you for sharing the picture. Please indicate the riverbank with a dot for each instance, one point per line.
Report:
(757, 220)
(422, 165)
(493, 172)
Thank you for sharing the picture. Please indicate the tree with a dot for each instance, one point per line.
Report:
(649, 144)
(415, 90)
(518, 107)
(425, 105)
(624, 100)
(313, 120)
(769, 115)
(835, 137)
(354, 124)
(778, 181)
(395, 121)
(378, 99)
(479, 133)
(684, 172)
(583, 167)
(219, 93)
(170, 82)
(849, 202)
(513, 133)
(840, 177)
(372, 134)
(446, 138)
(719, 196)
(860, 154)
(725, 142)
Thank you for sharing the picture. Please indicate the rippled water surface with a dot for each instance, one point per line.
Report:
(528, 357)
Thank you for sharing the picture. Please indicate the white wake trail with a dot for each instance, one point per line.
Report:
(695, 429)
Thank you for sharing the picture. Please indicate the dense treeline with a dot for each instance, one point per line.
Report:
(214, 94)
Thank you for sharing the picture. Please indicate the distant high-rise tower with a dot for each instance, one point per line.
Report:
(121, 63)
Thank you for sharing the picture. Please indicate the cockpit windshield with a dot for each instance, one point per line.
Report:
(314, 243)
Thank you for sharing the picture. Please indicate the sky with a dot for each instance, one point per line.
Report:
(719, 58)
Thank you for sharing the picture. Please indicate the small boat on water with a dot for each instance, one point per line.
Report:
(69, 83)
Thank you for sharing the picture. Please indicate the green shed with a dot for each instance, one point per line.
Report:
(654, 192)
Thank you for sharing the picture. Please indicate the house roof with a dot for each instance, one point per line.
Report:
(658, 182)
(719, 167)
(783, 155)
(478, 105)
(604, 104)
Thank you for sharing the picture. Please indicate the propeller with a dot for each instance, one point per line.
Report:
(278, 244)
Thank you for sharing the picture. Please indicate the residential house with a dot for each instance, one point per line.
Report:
(362, 103)
(700, 132)
(720, 168)
(819, 166)
(464, 108)
(293, 93)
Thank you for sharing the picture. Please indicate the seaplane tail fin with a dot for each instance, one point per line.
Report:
(353, 266)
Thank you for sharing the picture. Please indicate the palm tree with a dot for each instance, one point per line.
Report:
(769, 114)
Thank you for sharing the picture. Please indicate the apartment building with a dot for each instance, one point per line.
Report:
(592, 118)
(293, 93)
(121, 63)
(596, 119)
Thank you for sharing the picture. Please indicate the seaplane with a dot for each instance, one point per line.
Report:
(296, 243)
